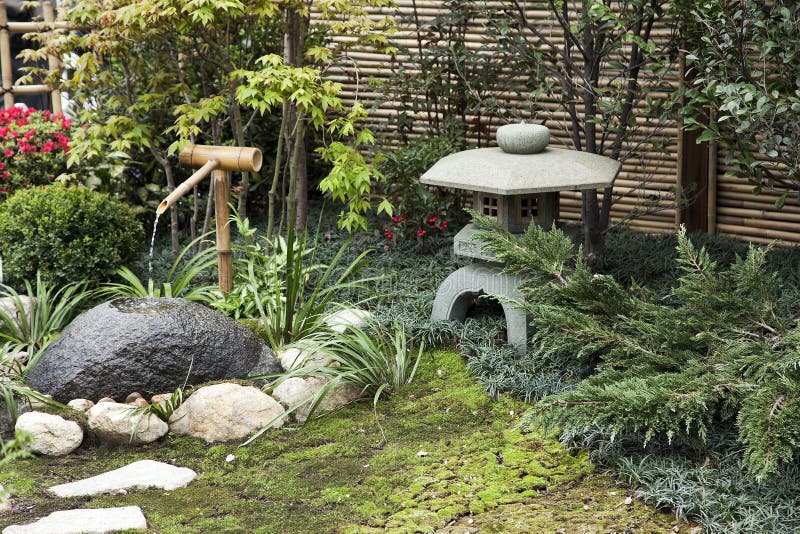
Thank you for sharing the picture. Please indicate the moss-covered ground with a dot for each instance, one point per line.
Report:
(440, 456)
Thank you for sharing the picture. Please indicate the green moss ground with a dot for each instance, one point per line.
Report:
(359, 471)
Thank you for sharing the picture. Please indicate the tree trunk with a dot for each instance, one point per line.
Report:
(238, 133)
(294, 44)
(276, 175)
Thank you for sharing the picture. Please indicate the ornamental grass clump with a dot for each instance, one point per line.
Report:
(33, 148)
(714, 350)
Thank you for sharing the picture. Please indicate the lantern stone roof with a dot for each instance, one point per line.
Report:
(490, 170)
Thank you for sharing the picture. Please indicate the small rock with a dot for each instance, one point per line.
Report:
(422, 453)
(344, 318)
(585, 507)
(81, 405)
(77, 521)
(51, 435)
(628, 500)
(294, 358)
(106, 399)
(121, 492)
(9, 306)
(296, 389)
(142, 475)
(225, 412)
(132, 397)
(139, 402)
(155, 399)
(6, 504)
(230, 458)
(20, 359)
(114, 423)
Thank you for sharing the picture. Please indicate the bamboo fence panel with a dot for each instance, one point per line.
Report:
(743, 215)
(6, 61)
(644, 184)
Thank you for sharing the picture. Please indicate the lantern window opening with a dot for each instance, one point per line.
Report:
(490, 206)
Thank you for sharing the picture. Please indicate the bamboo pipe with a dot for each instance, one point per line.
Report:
(220, 160)
(230, 158)
(187, 186)
(5, 58)
(222, 216)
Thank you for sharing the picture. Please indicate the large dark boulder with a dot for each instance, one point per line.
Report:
(147, 345)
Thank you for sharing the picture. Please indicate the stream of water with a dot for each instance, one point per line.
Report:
(152, 246)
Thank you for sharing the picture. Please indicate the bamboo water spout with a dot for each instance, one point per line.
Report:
(216, 160)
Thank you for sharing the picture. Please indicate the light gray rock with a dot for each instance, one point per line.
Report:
(341, 319)
(225, 412)
(51, 435)
(294, 358)
(9, 307)
(82, 405)
(114, 423)
(142, 475)
(523, 138)
(296, 389)
(6, 503)
(85, 521)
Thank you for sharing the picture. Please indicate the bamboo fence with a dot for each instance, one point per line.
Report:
(647, 186)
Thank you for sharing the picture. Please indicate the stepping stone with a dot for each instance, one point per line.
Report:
(142, 474)
(85, 520)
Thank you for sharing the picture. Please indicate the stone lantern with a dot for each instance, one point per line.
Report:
(516, 184)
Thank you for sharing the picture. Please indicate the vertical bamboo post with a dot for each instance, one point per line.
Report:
(52, 61)
(6, 66)
(224, 258)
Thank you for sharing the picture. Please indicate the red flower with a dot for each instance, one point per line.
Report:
(8, 152)
(443, 226)
(22, 122)
(48, 147)
(401, 218)
(421, 233)
(389, 235)
(26, 147)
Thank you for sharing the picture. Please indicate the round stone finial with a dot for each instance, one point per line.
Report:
(523, 138)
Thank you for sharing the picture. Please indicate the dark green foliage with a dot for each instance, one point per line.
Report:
(502, 370)
(67, 234)
(714, 349)
(744, 63)
(453, 85)
(415, 203)
(710, 486)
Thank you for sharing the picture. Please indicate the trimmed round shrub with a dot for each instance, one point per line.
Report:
(67, 234)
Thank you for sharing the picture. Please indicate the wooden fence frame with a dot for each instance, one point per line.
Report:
(7, 28)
